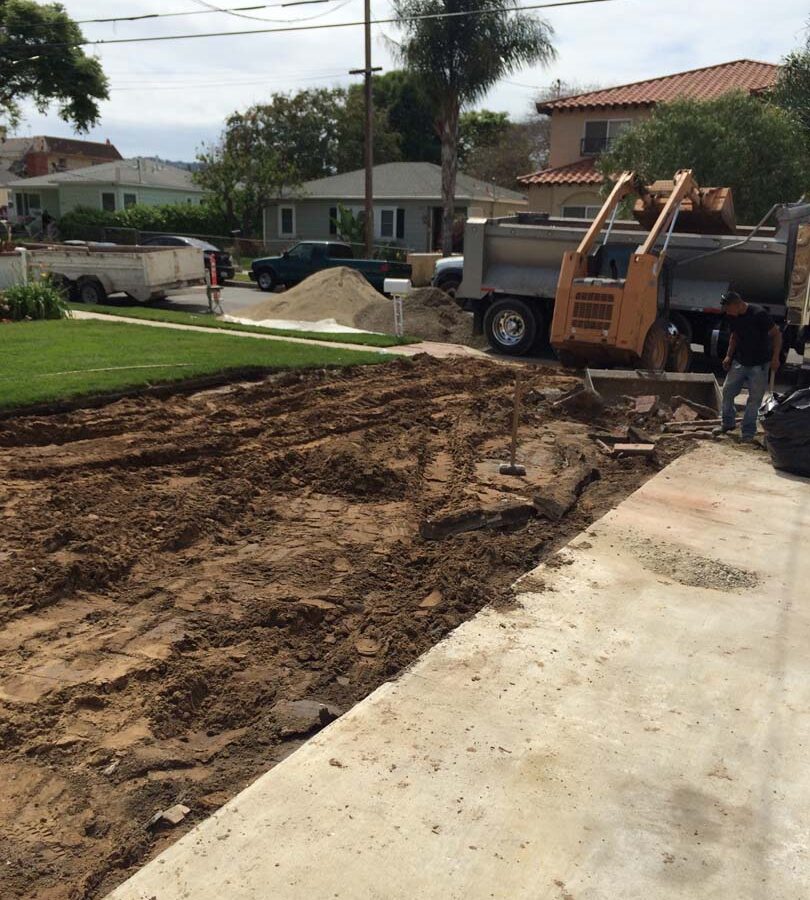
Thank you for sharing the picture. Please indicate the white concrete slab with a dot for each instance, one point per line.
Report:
(618, 734)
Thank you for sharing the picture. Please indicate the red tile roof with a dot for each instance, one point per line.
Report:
(697, 84)
(581, 172)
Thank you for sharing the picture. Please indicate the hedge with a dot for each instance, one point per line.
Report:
(87, 224)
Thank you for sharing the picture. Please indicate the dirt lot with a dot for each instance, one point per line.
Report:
(177, 575)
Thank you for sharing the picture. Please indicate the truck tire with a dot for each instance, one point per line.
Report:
(680, 348)
(655, 352)
(90, 290)
(511, 326)
(266, 280)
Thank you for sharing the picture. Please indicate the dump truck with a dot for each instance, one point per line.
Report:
(511, 268)
(91, 272)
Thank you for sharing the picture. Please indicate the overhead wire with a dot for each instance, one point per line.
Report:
(111, 20)
(286, 29)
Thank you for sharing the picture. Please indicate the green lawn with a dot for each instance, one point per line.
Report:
(54, 360)
(208, 321)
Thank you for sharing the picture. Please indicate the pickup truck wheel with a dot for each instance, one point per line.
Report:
(90, 290)
(266, 280)
(511, 326)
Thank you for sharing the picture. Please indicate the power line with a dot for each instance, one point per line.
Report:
(287, 29)
(232, 10)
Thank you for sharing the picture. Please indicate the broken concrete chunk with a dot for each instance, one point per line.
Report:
(646, 404)
(703, 411)
(560, 497)
(174, 815)
(633, 449)
(684, 413)
(299, 718)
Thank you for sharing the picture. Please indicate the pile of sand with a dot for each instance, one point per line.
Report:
(344, 295)
(339, 294)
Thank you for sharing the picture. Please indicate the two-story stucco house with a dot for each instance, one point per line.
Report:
(584, 125)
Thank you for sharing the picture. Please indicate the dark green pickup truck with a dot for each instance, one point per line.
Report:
(308, 257)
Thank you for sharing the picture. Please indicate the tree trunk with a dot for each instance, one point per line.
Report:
(448, 134)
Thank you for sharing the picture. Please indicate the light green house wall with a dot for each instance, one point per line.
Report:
(73, 195)
(61, 199)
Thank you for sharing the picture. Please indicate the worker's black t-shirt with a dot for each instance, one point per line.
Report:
(753, 343)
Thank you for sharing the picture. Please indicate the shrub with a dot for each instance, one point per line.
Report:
(39, 299)
(87, 224)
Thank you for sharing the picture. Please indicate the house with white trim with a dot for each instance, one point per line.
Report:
(407, 205)
(109, 186)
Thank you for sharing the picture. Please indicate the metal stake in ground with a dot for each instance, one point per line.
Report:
(513, 469)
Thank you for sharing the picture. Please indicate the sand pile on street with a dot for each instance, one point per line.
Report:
(344, 295)
(429, 314)
(339, 294)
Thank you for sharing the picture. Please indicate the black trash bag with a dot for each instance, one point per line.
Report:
(786, 420)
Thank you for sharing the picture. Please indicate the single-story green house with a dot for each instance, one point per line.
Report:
(111, 186)
(407, 205)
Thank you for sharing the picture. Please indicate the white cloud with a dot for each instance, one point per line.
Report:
(169, 97)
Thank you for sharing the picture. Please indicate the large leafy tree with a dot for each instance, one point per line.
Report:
(792, 91)
(458, 59)
(269, 147)
(521, 147)
(40, 60)
(735, 141)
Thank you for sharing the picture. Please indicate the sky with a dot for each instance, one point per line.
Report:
(170, 98)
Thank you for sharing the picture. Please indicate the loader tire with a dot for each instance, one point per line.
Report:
(655, 352)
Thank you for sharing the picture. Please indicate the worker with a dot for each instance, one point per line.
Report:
(753, 351)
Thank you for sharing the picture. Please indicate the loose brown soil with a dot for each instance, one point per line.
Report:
(177, 574)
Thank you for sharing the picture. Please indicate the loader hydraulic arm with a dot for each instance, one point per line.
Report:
(684, 185)
(624, 186)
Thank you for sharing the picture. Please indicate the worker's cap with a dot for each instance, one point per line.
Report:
(730, 297)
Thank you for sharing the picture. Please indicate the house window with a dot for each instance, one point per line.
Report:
(28, 204)
(286, 221)
(333, 213)
(130, 200)
(387, 223)
(580, 212)
(108, 201)
(600, 134)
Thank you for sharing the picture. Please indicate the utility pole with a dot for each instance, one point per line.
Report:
(367, 71)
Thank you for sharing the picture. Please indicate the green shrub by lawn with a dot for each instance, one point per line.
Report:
(39, 299)
(136, 311)
(54, 360)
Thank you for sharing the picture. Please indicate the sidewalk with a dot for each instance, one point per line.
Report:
(432, 348)
(636, 727)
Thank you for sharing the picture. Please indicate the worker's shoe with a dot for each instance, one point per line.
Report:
(722, 429)
(747, 438)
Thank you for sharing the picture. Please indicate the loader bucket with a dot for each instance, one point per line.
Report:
(612, 384)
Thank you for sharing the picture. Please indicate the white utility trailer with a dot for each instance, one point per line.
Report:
(92, 272)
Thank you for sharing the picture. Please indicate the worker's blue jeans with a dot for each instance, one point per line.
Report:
(755, 378)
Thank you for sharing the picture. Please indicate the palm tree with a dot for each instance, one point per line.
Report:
(459, 58)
